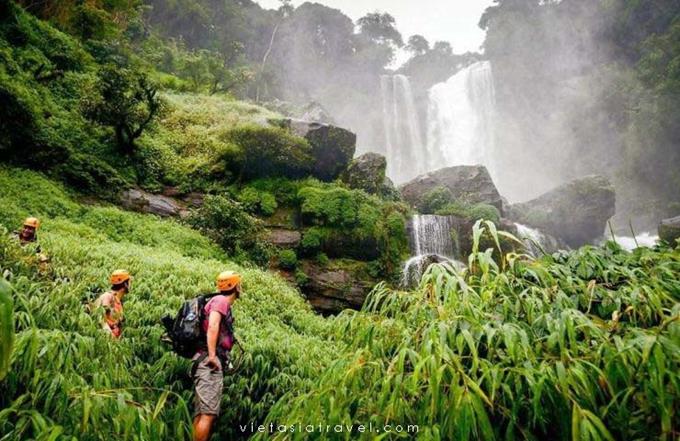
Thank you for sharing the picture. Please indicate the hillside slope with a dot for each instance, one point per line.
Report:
(69, 378)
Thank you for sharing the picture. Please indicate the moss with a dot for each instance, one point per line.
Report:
(434, 200)
(266, 152)
(257, 202)
(312, 240)
(288, 259)
(470, 212)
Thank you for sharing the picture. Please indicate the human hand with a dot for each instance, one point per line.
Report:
(213, 363)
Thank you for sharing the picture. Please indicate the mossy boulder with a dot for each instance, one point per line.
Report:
(466, 184)
(332, 147)
(366, 172)
(669, 229)
(576, 212)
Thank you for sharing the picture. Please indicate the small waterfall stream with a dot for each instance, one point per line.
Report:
(432, 241)
(533, 239)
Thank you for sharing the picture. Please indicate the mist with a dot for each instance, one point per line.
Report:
(563, 88)
(570, 88)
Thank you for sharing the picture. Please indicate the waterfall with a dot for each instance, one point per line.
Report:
(404, 147)
(432, 241)
(431, 234)
(460, 119)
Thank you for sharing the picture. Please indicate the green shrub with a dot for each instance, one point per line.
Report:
(471, 212)
(331, 206)
(267, 152)
(351, 223)
(322, 259)
(301, 278)
(257, 202)
(288, 259)
(231, 227)
(311, 241)
(90, 174)
(434, 200)
(284, 190)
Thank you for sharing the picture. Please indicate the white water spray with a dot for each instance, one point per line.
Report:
(404, 147)
(647, 240)
(460, 119)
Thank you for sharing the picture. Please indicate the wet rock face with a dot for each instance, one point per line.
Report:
(466, 183)
(284, 238)
(331, 290)
(575, 213)
(669, 229)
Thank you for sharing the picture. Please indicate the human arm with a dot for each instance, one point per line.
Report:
(105, 302)
(212, 335)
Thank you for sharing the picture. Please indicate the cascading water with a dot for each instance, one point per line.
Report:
(460, 119)
(432, 241)
(403, 140)
(431, 234)
(533, 239)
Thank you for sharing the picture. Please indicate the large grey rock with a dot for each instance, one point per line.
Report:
(193, 199)
(284, 238)
(669, 229)
(576, 212)
(331, 290)
(466, 183)
(139, 200)
(367, 172)
(332, 147)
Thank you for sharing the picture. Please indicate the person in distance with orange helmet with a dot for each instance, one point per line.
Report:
(112, 302)
(211, 358)
(28, 233)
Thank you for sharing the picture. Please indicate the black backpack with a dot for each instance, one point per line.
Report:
(185, 332)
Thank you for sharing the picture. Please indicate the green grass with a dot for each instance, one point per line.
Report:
(67, 377)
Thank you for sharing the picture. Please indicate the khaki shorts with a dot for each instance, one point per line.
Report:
(208, 386)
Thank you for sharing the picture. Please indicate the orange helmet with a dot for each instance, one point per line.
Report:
(119, 276)
(228, 280)
(32, 222)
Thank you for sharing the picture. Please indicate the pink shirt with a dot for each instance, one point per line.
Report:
(220, 304)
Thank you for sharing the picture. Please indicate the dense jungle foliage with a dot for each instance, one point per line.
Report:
(582, 345)
(578, 345)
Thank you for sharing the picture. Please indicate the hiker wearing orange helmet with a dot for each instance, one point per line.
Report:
(112, 302)
(28, 233)
(211, 359)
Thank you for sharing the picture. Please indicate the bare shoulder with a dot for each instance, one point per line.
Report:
(105, 299)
